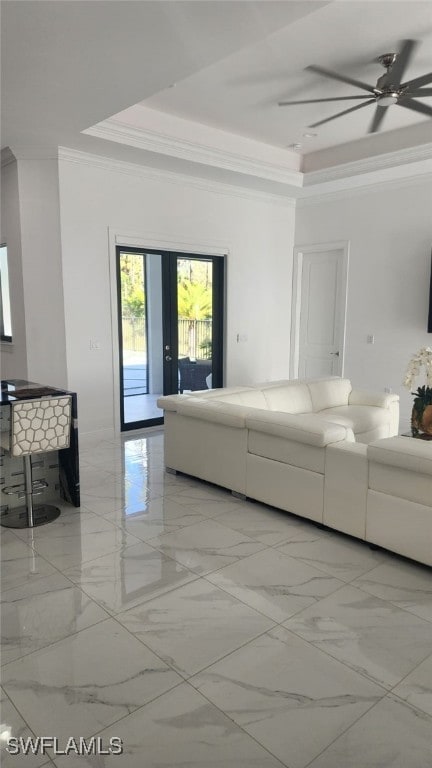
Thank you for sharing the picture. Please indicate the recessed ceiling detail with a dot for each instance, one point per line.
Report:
(219, 68)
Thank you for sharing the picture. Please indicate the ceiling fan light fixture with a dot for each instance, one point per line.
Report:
(387, 99)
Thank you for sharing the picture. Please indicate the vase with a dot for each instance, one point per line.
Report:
(421, 419)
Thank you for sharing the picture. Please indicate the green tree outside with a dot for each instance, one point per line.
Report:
(194, 298)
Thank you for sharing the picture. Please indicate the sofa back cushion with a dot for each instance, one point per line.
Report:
(291, 397)
(329, 393)
(219, 392)
(254, 398)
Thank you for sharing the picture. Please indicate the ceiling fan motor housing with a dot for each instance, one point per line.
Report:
(383, 84)
(386, 92)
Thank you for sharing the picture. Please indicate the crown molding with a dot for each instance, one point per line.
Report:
(373, 164)
(360, 181)
(152, 141)
(180, 179)
(389, 165)
(315, 197)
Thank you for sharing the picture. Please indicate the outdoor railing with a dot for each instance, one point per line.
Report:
(194, 337)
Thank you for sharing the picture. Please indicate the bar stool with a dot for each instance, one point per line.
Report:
(36, 426)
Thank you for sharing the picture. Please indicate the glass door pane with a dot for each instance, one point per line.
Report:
(194, 323)
(170, 309)
(140, 317)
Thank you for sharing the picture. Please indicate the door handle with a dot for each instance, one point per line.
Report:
(168, 358)
(335, 353)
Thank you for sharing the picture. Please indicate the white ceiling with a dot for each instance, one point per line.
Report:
(69, 65)
(241, 92)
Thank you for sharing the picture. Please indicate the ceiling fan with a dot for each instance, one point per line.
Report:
(389, 89)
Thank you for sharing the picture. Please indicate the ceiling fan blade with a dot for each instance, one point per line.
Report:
(314, 101)
(420, 92)
(416, 106)
(396, 71)
(342, 78)
(345, 112)
(418, 81)
(377, 118)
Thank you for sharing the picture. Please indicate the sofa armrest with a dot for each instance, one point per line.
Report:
(303, 428)
(388, 401)
(171, 402)
(361, 397)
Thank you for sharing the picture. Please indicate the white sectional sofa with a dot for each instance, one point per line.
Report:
(316, 448)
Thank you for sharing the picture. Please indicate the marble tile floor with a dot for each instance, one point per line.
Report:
(208, 632)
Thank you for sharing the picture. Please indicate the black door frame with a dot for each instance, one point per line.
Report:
(169, 322)
(140, 251)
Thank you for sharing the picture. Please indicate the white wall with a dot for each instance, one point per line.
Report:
(13, 356)
(390, 234)
(258, 233)
(389, 230)
(42, 270)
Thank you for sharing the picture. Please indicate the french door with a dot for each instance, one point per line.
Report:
(171, 314)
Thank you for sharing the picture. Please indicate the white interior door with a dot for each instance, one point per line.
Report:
(320, 279)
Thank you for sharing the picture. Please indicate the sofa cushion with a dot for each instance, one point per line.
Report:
(291, 397)
(301, 428)
(329, 393)
(219, 392)
(401, 467)
(253, 398)
(360, 418)
(287, 451)
(402, 452)
(286, 487)
(400, 525)
(399, 483)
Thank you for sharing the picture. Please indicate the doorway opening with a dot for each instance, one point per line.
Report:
(320, 279)
(171, 328)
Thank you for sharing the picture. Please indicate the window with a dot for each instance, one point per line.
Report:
(5, 312)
